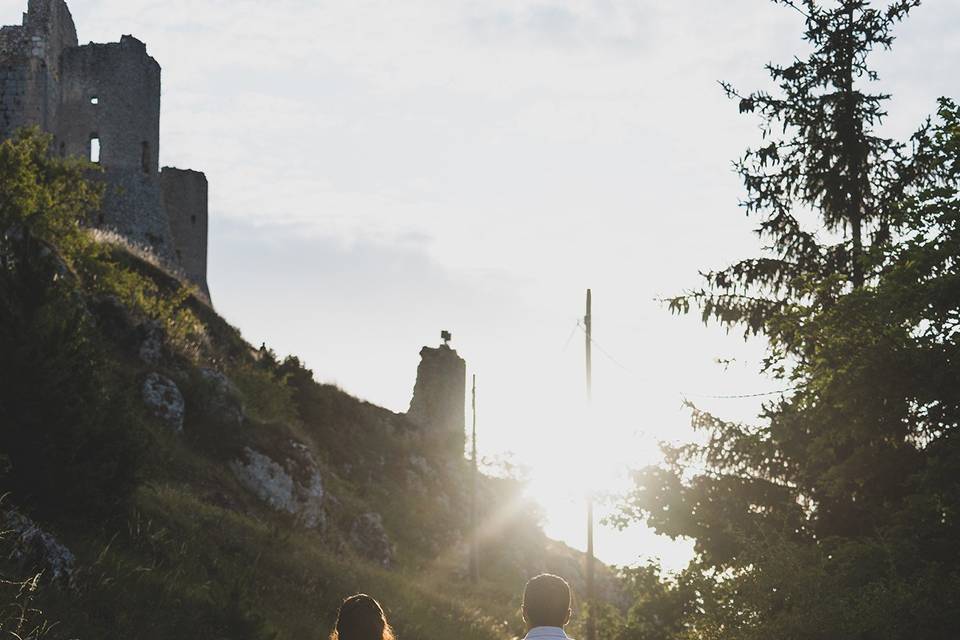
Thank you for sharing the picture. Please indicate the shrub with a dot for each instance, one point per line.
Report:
(267, 398)
(68, 424)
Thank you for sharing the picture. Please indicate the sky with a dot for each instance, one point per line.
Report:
(382, 170)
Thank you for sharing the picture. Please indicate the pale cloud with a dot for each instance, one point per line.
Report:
(620, 25)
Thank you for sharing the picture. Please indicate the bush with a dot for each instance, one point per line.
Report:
(267, 398)
(68, 424)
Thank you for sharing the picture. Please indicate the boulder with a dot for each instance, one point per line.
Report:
(36, 550)
(293, 486)
(163, 398)
(370, 539)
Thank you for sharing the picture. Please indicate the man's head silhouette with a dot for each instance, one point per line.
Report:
(546, 602)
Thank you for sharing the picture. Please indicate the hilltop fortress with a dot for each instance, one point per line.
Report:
(102, 102)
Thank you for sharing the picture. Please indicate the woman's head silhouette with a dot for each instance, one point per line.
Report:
(361, 618)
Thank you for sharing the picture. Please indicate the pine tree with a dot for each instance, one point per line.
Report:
(837, 515)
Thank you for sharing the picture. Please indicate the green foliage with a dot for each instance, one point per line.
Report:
(146, 298)
(659, 609)
(69, 427)
(267, 396)
(660, 606)
(50, 200)
(836, 516)
(70, 421)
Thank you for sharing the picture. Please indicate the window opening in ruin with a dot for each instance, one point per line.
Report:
(145, 157)
(100, 218)
(63, 149)
(179, 256)
(193, 219)
(94, 100)
(95, 148)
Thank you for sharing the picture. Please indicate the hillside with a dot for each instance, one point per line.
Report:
(166, 479)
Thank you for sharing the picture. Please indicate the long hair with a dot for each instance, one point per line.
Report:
(361, 618)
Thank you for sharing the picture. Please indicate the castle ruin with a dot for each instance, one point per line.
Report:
(102, 102)
(439, 397)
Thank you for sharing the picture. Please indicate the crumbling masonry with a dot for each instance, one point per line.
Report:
(439, 397)
(102, 101)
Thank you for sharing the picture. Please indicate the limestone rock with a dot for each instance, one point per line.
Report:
(368, 537)
(294, 486)
(36, 550)
(163, 398)
(224, 402)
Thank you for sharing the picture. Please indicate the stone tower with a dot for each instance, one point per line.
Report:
(30, 66)
(439, 397)
(102, 101)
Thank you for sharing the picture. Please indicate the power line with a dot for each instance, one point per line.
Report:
(743, 396)
(573, 332)
(748, 395)
(606, 353)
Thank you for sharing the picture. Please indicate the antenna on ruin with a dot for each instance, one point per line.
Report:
(446, 336)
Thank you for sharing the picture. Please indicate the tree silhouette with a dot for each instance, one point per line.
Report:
(836, 515)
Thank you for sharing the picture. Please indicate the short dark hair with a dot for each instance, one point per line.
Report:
(546, 601)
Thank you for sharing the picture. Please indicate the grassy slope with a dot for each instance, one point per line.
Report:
(196, 555)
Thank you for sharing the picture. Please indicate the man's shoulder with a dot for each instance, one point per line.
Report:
(547, 633)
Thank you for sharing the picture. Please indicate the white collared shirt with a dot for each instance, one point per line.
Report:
(547, 633)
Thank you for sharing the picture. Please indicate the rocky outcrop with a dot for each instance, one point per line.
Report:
(36, 550)
(293, 486)
(370, 539)
(163, 398)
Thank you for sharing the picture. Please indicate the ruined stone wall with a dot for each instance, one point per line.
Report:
(185, 200)
(111, 93)
(19, 92)
(133, 207)
(30, 66)
(439, 396)
(51, 31)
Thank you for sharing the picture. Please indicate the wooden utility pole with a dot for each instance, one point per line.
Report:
(590, 600)
(474, 551)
